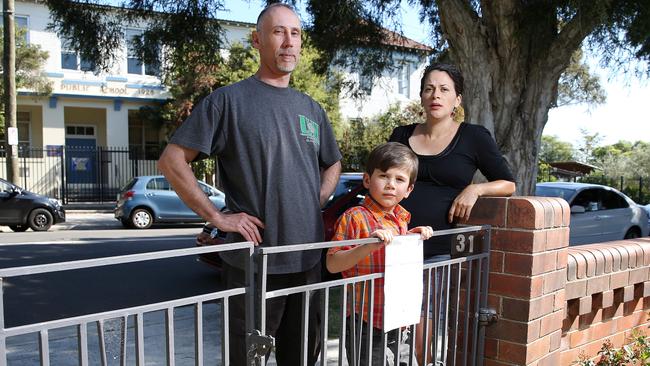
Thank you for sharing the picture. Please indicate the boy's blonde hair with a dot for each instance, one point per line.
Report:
(393, 155)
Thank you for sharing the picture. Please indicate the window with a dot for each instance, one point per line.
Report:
(611, 200)
(589, 199)
(159, 184)
(80, 131)
(365, 83)
(134, 60)
(403, 80)
(143, 138)
(21, 23)
(72, 60)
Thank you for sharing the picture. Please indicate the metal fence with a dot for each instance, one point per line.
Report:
(78, 173)
(455, 293)
(84, 323)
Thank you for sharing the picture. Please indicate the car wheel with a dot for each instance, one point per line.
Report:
(40, 219)
(633, 233)
(141, 218)
(18, 228)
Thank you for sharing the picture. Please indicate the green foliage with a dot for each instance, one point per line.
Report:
(587, 146)
(359, 137)
(635, 353)
(553, 150)
(577, 85)
(30, 59)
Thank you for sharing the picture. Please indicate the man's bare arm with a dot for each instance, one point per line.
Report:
(329, 177)
(174, 164)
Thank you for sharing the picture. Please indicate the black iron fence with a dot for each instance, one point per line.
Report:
(637, 188)
(78, 173)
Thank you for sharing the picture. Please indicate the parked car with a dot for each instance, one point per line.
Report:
(348, 192)
(598, 213)
(146, 200)
(20, 209)
(647, 210)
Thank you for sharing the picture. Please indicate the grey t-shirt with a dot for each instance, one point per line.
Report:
(271, 143)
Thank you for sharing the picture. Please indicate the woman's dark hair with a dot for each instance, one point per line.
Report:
(451, 70)
(393, 155)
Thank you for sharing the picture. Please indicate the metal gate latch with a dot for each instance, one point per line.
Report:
(487, 316)
(260, 344)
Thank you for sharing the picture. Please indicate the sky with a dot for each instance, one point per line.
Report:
(624, 116)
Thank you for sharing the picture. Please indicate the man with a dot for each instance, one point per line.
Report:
(278, 161)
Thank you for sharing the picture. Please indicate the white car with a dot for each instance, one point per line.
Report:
(598, 213)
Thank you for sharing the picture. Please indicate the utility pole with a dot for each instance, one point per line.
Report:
(9, 68)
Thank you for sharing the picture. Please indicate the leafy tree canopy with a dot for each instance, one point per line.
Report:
(30, 59)
(554, 150)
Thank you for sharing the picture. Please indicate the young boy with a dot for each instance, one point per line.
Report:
(389, 177)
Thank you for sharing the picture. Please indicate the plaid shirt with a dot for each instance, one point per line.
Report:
(358, 223)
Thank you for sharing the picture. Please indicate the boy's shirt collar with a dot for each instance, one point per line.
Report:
(398, 211)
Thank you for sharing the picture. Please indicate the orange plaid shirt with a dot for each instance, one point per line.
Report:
(358, 223)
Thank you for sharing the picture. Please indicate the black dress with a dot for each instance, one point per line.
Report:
(443, 176)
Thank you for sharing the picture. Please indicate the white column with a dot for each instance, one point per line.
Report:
(117, 127)
(53, 122)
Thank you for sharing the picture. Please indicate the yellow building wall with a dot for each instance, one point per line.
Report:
(88, 117)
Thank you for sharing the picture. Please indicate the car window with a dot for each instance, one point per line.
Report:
(129, 185)
(611, 200)
(344, 186)
(158, 184)
(554, 192)
(4, 187)
(589, 199)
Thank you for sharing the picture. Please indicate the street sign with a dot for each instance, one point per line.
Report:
(12, 135)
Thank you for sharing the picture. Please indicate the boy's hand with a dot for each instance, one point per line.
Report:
(425, 231)
(385, 235)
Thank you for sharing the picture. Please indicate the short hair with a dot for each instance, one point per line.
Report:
(451, 70)
(260, 17)
(393, 155)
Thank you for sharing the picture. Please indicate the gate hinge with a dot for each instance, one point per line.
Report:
(259, 344)
(487, 316)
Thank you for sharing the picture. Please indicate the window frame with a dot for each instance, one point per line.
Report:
(81, 64)
(142, 67)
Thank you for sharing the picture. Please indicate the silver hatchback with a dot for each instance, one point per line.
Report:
(598, 213)
(150, 199)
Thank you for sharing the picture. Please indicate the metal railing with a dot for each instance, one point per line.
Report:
(138, 312)
(458, 297)
(455, 296)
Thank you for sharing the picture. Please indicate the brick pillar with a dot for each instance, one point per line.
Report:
(528, 257)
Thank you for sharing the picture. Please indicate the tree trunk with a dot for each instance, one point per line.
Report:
(9, 67)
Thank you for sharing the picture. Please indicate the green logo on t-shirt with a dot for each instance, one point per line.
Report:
(309, 129)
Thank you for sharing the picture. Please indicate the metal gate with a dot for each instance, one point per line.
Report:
(455, 291)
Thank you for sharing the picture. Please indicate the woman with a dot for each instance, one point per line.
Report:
(449, 154)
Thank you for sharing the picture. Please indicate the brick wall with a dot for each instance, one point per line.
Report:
(555, 302)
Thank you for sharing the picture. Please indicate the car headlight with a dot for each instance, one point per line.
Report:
(55, 202)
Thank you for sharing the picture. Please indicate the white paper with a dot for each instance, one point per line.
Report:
(403, 282)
